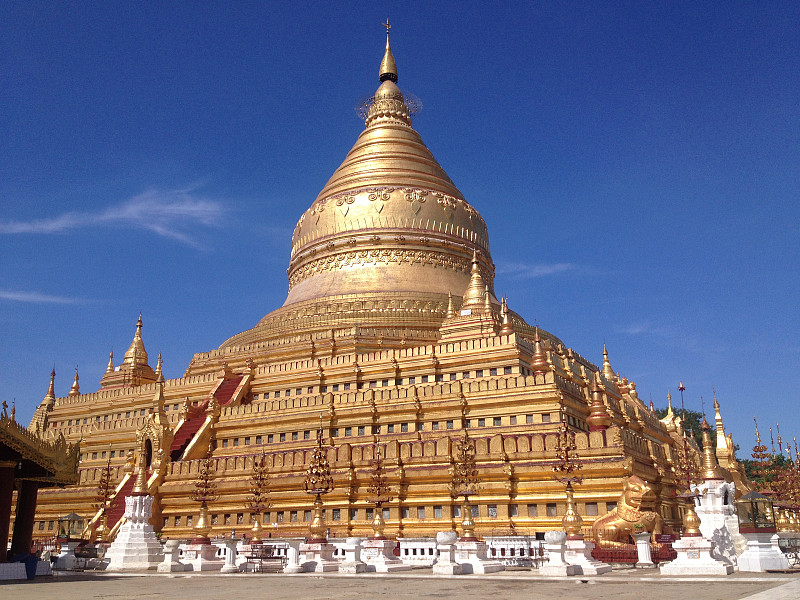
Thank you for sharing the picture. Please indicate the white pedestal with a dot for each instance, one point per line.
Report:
(171, 563)
(66, 560)
(379, 556)
(352, 562)
(556, 566)
(230, 556)
(579, 554)
(293, 557)
(762, 553)
(136, 547)
(201, 557)
(446, 562)
(694, 558)
(471, 555)
(643, 549)
(317, 557)
(718, 521)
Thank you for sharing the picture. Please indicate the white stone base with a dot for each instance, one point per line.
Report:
(66, 561)
(43, 567)
(556, 566)
(352, 563)
(694, 558)
(136, 547)
(472, 558)
(171, 563)
(446, 562)
(317, 558)
(201, 557)
(379, 556)
(579, 554)
(762, 554)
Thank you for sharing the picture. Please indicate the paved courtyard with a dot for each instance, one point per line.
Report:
(511, 584)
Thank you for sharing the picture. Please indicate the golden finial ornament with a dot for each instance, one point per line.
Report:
(388, 69)
(205, 492)
(451, 312)
(474, 296)
(566, 471)
(505, 328)
(539, 362)
(598, 419)
(159, 366)
(711, 468)
(140, 487)
(259, 499)
(608, 372)
(318, 482)
(136, 354)
(110, 365)
(378, 492)
(75, 390)
(464, 482)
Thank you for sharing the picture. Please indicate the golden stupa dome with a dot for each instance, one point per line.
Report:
(389, 218)
(387, 240)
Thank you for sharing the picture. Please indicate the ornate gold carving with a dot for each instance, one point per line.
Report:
(376, 256)
(56, 457)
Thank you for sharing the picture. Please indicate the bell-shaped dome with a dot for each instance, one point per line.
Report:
(387, 239)
(389, 218)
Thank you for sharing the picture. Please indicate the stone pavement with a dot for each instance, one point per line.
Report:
(420, 584)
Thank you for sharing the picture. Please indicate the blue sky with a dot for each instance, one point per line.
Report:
(636, 163)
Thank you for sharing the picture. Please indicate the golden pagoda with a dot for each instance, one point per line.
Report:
(391, 336)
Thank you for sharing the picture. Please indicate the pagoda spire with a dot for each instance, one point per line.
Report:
(110, 365)
(474, 296)
(451, 312)
(711, 468)
(75, 390)
(506, 328)
(598, 419)
(50, 397)
(159, 374)
(487, 304)
(723, 451)
(136, 354)
(388, 70)
(608, 372)
(539, 362)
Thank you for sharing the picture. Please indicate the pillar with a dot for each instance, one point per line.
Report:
(23, 523)
(6, 494)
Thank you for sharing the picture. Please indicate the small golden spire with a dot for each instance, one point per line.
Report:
(136, 354)
(608, 372)
(50, 397)
(110, 365)
(388, 70)
(506, 328)
(711, 468)
(474, 296)
(140, 487)
(159, 375)
(487, 304)
(598, 418)
(451, 312)
(539, 362)
(75, 390)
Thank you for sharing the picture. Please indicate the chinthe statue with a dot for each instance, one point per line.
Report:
(634, 513)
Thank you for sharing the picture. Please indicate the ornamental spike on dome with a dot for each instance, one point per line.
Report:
(388, 70)
(474, 296)
(159, 374)
(110, 365)
(451, 312)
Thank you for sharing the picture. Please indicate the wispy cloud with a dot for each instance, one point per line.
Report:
(531, 271)
(37, 298)
(168, 213)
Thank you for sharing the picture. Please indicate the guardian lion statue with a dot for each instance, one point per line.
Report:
(634, 513)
